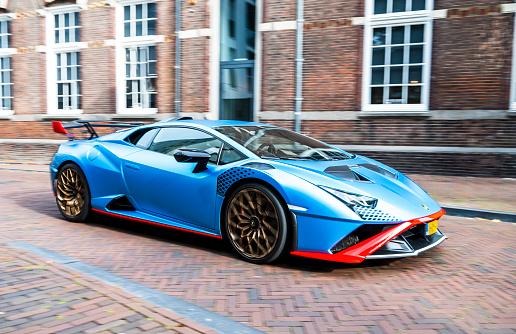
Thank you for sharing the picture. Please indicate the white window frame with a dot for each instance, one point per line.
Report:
(6, 52)
(512, 102)
(53, 51)
(123, 43)
(392, 20)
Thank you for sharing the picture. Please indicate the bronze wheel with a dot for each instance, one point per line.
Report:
(256, 224)
(72, 193)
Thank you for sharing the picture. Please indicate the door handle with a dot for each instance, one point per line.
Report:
(131, 166)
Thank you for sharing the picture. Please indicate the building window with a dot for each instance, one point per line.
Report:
(5, 69)
(68, 78)
(67, 27)
(397, 56)
(140, 20)
(136, 58)
(63, 60)
(397, 64)
(141, 77)
(396, 6)
(4, 34)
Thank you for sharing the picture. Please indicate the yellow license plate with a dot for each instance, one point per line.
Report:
(431, 227)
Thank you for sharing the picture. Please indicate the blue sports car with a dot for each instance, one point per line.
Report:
(264, 189)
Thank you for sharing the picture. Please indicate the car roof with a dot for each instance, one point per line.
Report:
(210, 123)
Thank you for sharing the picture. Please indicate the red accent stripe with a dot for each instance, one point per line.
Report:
(360, 251)
(154, 223)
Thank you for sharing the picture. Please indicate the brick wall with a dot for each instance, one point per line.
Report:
(471, 63)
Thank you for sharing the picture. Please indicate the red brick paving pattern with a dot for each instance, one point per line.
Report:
(466, 285)
(39, 296)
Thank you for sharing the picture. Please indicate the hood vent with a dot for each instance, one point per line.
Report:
(345, 173)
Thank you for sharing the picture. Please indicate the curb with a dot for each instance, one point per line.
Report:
(475, 213)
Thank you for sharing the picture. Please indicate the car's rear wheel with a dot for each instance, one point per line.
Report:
(72, 193)
(255, 223)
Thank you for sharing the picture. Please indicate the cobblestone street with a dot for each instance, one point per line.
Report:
(466, 285)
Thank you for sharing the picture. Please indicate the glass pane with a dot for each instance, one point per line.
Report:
(417, 33)
(128, 86)
(57, 36)
(395, 94)
(59, 89)
(139, 28)
(67, 35)
(6, 77)
(398, 6)
(151, 28)
(398, 35)
(152, 53)
(416, 54)
(377, 76)
(139, 11)
(418, 4)
(129, 101)
(397, 55)
(76, 35)
(152, 68)
(151, 85)
(380, 6)
(378, 56)
(6, 63)
(377, 95)
(151, 10)
(379, 36)
(415, 74)
(153, 98)
(76, 21)
(5, 90)
(414, 95)
(56, 21)
(127, 13)
(59, 59)
(66, 20)
(127, 29)
(127, 70)
(69, 73)
(58, 73)
(68, 58)
(396, 75)
(60, 102)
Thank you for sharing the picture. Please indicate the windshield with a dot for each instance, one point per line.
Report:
(277, 143)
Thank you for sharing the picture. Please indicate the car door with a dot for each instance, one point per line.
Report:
(161, 185)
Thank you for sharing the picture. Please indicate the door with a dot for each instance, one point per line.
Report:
(237, 54)
(161, 185)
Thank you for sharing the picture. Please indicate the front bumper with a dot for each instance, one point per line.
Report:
(389, 244)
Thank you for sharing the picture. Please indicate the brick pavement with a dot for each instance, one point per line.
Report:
(40, 296)
(466, 285)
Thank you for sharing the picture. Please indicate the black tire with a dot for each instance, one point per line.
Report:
(72, 193)
(255, 223)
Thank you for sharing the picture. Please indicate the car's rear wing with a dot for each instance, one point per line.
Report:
(90, 126)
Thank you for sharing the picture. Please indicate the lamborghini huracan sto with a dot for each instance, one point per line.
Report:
(265, 190)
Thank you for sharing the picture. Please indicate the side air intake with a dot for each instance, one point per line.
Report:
(120, 204)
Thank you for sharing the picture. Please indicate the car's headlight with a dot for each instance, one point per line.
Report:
(351, 199)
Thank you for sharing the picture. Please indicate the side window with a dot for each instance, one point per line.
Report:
(142, 138)
(229, 154)
(168, 140)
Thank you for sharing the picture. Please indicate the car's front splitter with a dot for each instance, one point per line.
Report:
(365, 249)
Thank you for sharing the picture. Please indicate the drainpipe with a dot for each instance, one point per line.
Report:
(298, 99)
(177, 66)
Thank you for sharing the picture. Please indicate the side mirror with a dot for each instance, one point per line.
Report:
(193, 155)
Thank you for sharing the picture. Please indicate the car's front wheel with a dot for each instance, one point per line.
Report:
(72, 193)
(255, 223)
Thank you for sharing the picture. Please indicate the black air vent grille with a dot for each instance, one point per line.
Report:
(345, 173)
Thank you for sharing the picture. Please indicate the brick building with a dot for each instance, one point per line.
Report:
(423, 85)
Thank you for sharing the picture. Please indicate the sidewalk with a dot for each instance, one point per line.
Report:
(41, 296)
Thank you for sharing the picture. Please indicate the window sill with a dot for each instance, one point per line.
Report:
(393, 114)
(132, 112)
